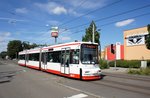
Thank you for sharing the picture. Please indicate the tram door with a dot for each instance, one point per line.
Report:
(65, 58)
(44, 61)
(26, 59)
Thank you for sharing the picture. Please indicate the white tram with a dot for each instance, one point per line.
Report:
(75, 59)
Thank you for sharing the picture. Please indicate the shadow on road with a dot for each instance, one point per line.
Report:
(6, 77)
(102, 76)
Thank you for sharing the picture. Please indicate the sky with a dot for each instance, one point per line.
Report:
(31, 20)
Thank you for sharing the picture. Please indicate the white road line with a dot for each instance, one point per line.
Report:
(97, 96)
(78, 96)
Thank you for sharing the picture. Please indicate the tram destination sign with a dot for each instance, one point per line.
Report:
(89, 46)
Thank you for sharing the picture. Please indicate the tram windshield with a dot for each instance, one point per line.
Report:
(89, 54)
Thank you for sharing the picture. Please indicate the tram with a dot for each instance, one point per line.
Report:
(74, 59)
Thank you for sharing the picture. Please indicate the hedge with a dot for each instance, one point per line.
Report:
(145, 71)
(123, 63)
(103, 64)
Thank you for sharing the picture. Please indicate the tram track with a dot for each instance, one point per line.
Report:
(126, 76)
(123, 86)
(123, 82)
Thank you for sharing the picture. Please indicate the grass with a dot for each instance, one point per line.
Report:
(141, 71)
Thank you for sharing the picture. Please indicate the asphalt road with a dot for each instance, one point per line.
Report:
(22, 82)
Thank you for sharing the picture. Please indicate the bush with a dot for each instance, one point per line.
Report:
(103, 64)
(141, 71)
(133, 71)
(145, 71)
(126, 63)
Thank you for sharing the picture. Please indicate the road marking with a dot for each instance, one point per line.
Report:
(96, 96)
(78, 96)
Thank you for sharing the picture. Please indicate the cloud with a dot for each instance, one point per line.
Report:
(124, 23)
(58, 10)
(4, 38)
(73, 12)
(21, 10)
(73, 7)
(3, 46)
(12, 20)
(76, 7)
(4, 35)
(53, 22)
(52, 8)
(87, 4)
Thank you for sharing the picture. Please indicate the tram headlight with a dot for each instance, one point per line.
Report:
(99, 72)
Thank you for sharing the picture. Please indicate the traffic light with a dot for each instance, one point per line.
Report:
(112, 49)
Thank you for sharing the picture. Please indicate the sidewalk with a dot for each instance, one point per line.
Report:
(116, 70)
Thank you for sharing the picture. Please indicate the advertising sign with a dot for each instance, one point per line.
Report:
(54, 31)
(136, 40)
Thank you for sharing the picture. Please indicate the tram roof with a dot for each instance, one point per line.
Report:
(36, 50)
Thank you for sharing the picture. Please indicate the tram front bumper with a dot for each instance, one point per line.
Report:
(89, 75)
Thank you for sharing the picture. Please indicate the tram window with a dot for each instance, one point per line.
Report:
(89, 54)
(50, 58)
(54, 57)
(42, 59)
(30, 57)
(34, 57)
(22, 57)
(74, 57)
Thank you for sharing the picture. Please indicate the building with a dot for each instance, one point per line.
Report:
(118, 52)
(134, 44)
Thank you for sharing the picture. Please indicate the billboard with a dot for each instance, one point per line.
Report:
(54, 31)
(138, 39)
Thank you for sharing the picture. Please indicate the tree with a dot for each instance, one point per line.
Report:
(13, 48)
(33, 45)
(27, 45)
(3, 54)
(148, 37)
(89, 32)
